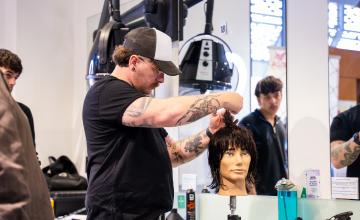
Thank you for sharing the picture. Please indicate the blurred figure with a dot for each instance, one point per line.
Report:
(269, 135)
(232, 160)
(11, 67)
(23, 190)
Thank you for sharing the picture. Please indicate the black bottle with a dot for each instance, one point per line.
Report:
(174, 215)
(190, 204)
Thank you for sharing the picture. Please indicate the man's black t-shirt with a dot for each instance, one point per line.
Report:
(129, 169)
(343, 128)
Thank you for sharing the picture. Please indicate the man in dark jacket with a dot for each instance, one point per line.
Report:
(269, 135)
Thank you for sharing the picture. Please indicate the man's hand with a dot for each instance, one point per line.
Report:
(216, 121)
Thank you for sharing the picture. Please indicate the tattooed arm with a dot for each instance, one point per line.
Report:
(181, 110)
(185, 150)
(344, 153)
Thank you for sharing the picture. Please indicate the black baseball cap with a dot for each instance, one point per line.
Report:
(153, 44)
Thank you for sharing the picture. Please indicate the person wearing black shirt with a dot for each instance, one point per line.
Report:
(345, 141)
(130, 154)
(269, 135)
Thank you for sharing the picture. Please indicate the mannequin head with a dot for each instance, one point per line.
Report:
(232, 159)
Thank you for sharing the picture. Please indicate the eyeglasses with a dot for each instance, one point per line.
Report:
(153, 64)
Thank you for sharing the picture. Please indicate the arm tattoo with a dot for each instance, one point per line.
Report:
(335, 153)
(177, 157)
(201, 107)
(136, 110)
(139, 108)
(349, 154)
(194, 145)
(186, 150)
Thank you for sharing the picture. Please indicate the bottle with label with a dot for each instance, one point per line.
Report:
(190, 204)
(313, 183)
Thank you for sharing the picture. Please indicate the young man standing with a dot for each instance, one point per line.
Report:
(269, 135)
(130, 153)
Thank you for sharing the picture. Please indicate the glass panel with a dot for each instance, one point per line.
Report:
(268, 57)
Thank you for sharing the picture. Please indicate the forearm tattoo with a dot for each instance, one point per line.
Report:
(201, 107)
(176, 155)
(195, 145)
(188, 149)
(350, 155)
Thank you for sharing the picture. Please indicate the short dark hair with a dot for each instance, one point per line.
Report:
(122, 55)
(230, 135)
(268, 85)
(10, 61)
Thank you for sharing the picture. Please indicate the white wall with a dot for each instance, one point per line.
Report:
(8, 24)
(50, 38)
(41, 34)
(307, 89)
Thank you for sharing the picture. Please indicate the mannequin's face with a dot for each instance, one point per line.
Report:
(234, 165)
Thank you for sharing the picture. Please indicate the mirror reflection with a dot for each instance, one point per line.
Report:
(267, 119)
(263, 40)
(344, 87)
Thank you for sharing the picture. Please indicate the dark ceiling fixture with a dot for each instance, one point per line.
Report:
(205, 65)
(165, 15)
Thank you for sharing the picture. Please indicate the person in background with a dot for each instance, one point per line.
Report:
(23, 191)
(345, 141)
(269, 134)
(232, 160)
(130, 153)
(11, 67)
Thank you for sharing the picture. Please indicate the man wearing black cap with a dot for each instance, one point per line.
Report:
(130, 154)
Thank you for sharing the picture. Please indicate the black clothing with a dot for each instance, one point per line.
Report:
(129, 169)
(343, 128)
(29, 117)
(270, 147)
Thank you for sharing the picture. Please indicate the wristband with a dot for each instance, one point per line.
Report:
(356, 138)
(208, 133)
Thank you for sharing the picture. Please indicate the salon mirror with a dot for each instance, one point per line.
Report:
(344, 60)
(255, 33)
